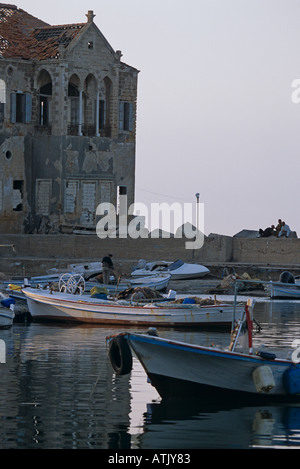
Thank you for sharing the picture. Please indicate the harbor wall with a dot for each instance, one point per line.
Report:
(33, 254)
(266, 250)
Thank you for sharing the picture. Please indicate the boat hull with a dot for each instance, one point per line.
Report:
(158, 282)
(6, 317)
(186, 276)
(75, 308)
(178, 270)
(194, 371)
(284, 291)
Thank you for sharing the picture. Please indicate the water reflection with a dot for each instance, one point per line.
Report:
(220, 425)
(48, 398)
(58, 390)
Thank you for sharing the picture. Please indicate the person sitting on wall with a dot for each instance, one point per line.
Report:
(107, 268)
(278, 227)
(270, 231)
(285, 230)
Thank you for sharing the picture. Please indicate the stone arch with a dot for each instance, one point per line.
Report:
(74, 85)
(44, 82)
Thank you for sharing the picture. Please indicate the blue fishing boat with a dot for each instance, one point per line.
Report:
(177, 369)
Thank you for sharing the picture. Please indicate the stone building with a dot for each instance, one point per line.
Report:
(67, 124)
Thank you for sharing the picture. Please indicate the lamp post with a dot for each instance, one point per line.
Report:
(197, 213)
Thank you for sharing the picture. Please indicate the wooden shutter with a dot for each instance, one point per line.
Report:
(28, 107)
(130, 128)
(13, 108)
(121, 115)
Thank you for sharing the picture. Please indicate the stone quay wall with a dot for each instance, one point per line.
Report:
(34, 254)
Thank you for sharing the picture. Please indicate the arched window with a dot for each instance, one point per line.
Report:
(105, 108)
(73, 104)
(89, 96)
(44, 86)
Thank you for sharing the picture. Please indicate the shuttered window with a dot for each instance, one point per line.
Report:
(42, 197)
(125, 116)
(71, 192)
(21, 106)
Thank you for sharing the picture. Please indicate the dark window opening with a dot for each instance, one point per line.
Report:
(1, 112)
(125, 116)
(18, 196)
(44, 110)
(46, 89)
(72, 90)
(102, 113)
(122, 190)
(73, 94)
(122, 200)
(20, 107)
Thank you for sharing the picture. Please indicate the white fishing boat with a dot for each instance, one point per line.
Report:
(68, 306)
(178, 369)
(178, 270)
(155, 282)
(6, 317)
(6, 312)
(288, 287)
(87, 270)
(284, 290)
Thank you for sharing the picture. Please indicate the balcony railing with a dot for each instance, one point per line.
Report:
(43, 129)
(88, 130)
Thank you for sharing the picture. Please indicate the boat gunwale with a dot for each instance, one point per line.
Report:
(6, 315)
(209, 350)
(44, 299)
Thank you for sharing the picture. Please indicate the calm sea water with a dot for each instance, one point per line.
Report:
(58, 391)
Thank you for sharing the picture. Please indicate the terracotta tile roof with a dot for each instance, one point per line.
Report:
(24, 36)
(46, 40)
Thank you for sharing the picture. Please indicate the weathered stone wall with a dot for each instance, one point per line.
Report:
(13, 200)
(63, 168)
(35, 253)
(266, 250)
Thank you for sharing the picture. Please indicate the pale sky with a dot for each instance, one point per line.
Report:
(215, 113)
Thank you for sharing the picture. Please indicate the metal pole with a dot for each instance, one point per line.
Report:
(197, 213)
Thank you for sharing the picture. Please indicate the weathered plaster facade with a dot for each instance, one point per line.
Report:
(67, 124)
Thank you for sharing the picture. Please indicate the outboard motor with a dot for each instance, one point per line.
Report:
(287, 277)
